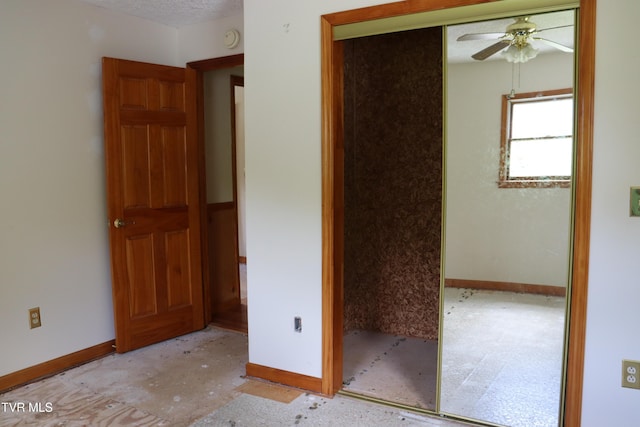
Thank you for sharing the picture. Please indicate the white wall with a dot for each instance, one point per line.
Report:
(500, 234)
(614, 277)
(284, 212)
(54, 245)
(282, 99)
(54, 249)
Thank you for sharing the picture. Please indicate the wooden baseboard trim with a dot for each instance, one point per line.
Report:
(55, 366)
(526, 288)
(291, 379)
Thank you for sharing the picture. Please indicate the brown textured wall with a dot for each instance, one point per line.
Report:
(393, 182)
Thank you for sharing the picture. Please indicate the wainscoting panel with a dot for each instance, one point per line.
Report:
(223, 262)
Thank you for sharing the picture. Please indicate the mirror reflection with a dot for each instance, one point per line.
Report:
(508, 218)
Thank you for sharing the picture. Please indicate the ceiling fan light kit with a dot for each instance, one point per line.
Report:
(517, 54)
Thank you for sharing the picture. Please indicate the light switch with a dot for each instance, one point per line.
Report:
(635, 201)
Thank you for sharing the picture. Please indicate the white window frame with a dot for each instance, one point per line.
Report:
(504, 180)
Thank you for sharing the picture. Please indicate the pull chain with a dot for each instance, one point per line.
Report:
(515, 69)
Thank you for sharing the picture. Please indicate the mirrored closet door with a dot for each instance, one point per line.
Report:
(509, 154)
(457, 166)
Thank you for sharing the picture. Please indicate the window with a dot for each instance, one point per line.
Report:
(537, 139)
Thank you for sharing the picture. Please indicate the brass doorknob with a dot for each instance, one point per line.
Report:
(119, 223)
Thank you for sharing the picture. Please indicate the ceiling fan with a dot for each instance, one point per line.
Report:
(516, 39)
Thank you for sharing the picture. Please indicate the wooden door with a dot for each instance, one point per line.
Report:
(152, 201)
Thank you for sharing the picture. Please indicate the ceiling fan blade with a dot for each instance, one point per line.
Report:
(480, 36)
(555, 44)
(494, 48)
(554, 28)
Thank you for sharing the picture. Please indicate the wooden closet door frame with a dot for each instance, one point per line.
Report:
(333, 181)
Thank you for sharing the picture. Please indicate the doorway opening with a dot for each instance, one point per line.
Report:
(392, 215)
(237, 126)
(221, 136)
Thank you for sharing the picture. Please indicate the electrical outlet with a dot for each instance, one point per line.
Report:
(631, 374)
(34, 318)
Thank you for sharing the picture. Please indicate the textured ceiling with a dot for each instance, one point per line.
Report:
(180, 13)
(175, 13)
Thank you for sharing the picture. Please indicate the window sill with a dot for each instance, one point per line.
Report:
(535, 184)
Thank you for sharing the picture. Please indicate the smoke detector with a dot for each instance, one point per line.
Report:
(231, 38)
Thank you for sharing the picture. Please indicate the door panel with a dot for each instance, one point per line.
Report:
(153, 188)
(142, 299)
(174, 173)
(178, 269)
(135, 159)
